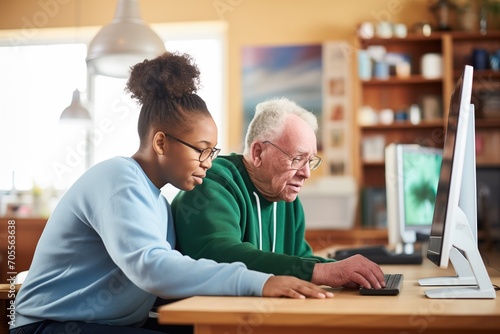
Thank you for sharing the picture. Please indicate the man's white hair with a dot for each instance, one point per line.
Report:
(269, 119)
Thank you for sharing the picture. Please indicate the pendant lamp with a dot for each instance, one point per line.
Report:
(75, 111)
(126, 41)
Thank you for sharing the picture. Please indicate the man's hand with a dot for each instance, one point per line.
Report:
(288, 286)
(352, 272)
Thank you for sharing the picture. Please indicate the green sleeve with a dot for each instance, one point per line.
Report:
(209, 221)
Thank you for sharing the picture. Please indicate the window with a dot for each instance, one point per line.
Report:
(37, 83)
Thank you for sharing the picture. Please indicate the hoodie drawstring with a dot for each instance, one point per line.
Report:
(273, 246)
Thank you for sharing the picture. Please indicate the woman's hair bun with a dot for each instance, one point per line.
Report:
(169, 76)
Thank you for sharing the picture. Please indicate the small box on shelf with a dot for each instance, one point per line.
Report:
(373, 148)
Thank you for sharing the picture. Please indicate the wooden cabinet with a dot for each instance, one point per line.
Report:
(324, 239)
(398, 93)
(486, 90)
(24, 234)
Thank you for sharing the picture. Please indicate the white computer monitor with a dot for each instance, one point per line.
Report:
(453, 235)
(411, 175)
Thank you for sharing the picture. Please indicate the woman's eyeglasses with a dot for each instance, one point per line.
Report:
(205, 153)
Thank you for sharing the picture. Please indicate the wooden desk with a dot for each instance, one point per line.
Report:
(347, 312)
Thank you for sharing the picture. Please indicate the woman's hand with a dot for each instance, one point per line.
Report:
(292, 287)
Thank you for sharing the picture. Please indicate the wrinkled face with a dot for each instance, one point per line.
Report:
(277, 179)
(182, 167)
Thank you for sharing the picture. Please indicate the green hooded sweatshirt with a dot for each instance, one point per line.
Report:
(226, 219)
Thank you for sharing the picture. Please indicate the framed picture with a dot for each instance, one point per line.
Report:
(336, 167)
(337, 138)
(337, 112)
(337, 87)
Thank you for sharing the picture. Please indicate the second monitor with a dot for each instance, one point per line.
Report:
(412, 175)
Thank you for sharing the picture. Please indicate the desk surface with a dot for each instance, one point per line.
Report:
(347, 312)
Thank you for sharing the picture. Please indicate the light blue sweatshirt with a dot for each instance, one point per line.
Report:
(107, 252)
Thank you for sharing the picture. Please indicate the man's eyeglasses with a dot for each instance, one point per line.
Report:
(299, 161)
(205, 153)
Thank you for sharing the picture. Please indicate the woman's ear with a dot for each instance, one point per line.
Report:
(159, 142)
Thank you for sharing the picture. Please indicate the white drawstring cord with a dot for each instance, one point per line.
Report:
(260, 219)
(273, 246)
(274, 229)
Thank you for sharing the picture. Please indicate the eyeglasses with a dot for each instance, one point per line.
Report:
(205, 153)
(298, 162)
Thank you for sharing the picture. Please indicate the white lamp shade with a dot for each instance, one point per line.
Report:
(126, 41)
(75, 111)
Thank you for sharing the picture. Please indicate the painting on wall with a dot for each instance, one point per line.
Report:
(294, 72)
(318, 78)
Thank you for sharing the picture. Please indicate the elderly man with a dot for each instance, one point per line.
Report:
(247, 208)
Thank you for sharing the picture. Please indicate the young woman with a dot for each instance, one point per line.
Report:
(107, 251)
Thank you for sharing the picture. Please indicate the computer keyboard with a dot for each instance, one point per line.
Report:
(380, 255)
(393, 283)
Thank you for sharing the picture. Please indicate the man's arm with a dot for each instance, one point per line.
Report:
(210, 223)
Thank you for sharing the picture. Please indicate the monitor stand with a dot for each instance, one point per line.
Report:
(464, 276)
(468, 265)
(406, 243)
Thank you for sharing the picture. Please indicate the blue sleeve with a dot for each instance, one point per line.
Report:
(133, 227)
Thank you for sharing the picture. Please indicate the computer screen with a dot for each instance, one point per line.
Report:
(412, 175)
(448, 194)
(421, 167)
(453, 235)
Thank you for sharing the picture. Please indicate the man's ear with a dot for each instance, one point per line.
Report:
(256, 150)
(159, 142)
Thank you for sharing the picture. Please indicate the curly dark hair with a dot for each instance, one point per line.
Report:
(166, 88)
